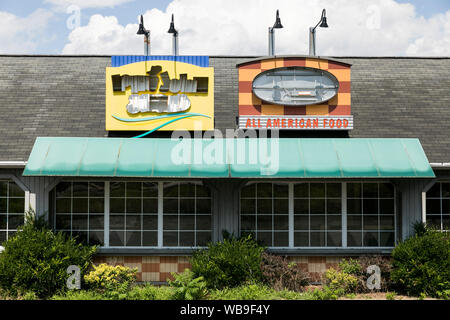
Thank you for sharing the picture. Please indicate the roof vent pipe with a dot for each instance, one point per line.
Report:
(175, 37)
(277, 25)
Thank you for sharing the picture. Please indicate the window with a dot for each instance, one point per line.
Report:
(133, 218)
(79, 210)
(438, 206)
(313, 215)
(370, 215)
(187, 215)
(12, 208)
(138, 213)
(265, 213)
(317, 215)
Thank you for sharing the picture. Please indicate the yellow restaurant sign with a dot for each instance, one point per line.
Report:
(159, 95)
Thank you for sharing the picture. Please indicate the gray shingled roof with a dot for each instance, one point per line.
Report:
(65, 96)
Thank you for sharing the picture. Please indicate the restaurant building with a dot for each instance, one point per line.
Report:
(151, 157)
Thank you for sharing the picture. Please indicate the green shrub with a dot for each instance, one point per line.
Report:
(340, 281)
(187, 287)
(280, 274)
(421, 264)
(36, 259)
(228, 263)
(351, 266)
(391, 296)
(253, 292)
(325, 293)
(106, 277)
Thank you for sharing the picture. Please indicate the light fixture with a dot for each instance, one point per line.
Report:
(312, 33)
(146, 34)
(276, 25)
(175, 37)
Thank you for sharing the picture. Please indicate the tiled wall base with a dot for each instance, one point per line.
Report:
(159, 268)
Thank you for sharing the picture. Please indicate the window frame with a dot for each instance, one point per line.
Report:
(440, 198)
(7, 230)
(343, 229)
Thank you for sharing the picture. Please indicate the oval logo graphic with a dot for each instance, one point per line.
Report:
(295, 86)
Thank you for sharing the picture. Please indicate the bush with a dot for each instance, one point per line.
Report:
(187, 287)
(229, 263)
(36, 259)
(253, 292)
(341, 281)
(421, 265)
(280, 274)
(106, 277)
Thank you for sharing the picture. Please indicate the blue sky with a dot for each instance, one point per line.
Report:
(50, 35)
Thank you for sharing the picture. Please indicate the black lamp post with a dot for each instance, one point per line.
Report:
(312, 33)
(175, 37)
(146, 34)
(277, 25)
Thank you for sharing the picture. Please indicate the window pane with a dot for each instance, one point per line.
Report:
(149, 239)
(96, 222)
(334, 190)
(445, 190)
(301, 223)
(281, 222)
(281, 239)
(203, 238)
(96, 189)
(386, 190)
(370, 190)
(63, 189)
(264, 222)
(3, 189)
(2, 236)
(334, 206)
(117, 205)
(248, 191)
(80, 189)
(248, 206)
(187, 190)
(317, 190)
(435, 191)
(387, 206)
(301, 190)
(116, 238)
(370, 239)
(370, 206)
(434, 221)
(134, 205)
(203, 222)
(334, 222)
(264, 205)
(202, 191)
(133, 238)
(281, 206)
(170, 239)
(387, 223)
(170, 190)
(433, 206)
(248, 222)
(264, 190)
(354, 239)
(15, 221)
(3, 221)
(370, 222)
(16, 205)
(354, 222)
(79, 222)
(354, 190)
(265, 238)
(150, 206)
(80, 205)
(117, 222)
(317, 239)
(4, 205)
(134, 189)
(170, 222)
(204, 205)
(15, 190)
(96, 238)
(170, 205)
(301, 206)
(187, 222)
(317, 222)
(187, 206)
(133, 222)
(387, 239)
(301, 239)
(317, 206)
(354, 206)
(281, 190)
(446, 222)
(150, 189)
(117, 189)
(187, 239)
(445, 206)
(334, 239)
(150, 222)
(80, 236)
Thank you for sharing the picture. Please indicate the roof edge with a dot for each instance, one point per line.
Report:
(291, 56)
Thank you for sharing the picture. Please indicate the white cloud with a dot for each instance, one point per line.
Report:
(87, 3)
(235, 27)
(23, 35)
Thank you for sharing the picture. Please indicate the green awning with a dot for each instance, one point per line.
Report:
(236, 158)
